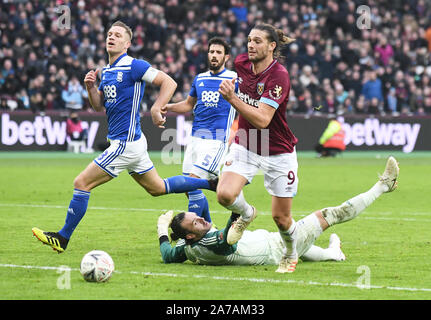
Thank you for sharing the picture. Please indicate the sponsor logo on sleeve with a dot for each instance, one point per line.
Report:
(276, 93)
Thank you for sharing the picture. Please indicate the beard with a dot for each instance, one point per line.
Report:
(256, 58)
(260, 55)
(215, 66)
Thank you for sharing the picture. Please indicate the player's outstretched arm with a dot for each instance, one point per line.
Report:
(94, 95)
(182, 106)
(167, 89)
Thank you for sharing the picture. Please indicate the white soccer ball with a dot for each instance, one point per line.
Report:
(97, 266)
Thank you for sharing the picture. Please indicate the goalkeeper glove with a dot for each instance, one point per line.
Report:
(163, 223)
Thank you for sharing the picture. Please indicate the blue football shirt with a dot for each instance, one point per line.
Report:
(213, 115)
(123, 86)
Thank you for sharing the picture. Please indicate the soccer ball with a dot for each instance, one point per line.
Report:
(97, 266)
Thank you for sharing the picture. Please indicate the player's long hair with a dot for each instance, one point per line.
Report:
(178, 232)
(276, 35)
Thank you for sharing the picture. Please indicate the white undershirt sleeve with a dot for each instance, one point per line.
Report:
(150, 75)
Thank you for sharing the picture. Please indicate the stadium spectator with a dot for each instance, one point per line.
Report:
(36, 94)
(326, 35)
(392, 101)
(372, 87)
(385, 51)
(428, 37)
(76, 134)
(240, 10)
(73, 96)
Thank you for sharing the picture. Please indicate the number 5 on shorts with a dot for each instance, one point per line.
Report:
(207, 160)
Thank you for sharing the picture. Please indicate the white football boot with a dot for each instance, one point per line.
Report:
(390, 175)
(335, 244)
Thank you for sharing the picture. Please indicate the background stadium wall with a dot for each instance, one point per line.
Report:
(25, 131)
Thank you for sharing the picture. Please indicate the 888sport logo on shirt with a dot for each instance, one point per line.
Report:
(110, 92)
(210, 98)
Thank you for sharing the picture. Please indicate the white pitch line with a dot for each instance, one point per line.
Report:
(201, 276)
(297, 213)
(102, 208)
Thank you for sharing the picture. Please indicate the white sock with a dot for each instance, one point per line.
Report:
(353, 207)
(241, 207)
(316, 253)
(289, 238)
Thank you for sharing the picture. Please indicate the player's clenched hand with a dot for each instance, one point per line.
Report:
(90, 78)
(158, 117)
(164, 110)
(227, 89)
(163, 223)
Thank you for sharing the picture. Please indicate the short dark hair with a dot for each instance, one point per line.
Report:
(220, 41)
(125, 26)
(178, 232)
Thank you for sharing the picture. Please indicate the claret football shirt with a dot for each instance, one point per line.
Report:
(271, 86)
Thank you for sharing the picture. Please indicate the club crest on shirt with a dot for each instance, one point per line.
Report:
(260, 87)
(119, 76)
(276, 92)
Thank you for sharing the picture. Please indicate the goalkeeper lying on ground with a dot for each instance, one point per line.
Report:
(201, 243)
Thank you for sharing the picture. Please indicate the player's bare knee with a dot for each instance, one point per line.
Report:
(79, 183)
(283, 222)
(156, 191)
(323, 223)
(225, 197)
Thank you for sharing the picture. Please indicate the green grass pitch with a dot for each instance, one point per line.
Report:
(388, 246)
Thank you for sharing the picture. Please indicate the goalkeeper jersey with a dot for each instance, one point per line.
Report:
(258, 247)
(254, 248)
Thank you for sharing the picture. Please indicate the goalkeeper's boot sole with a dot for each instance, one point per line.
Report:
(287, 265)
(52, 239)
(390, 175)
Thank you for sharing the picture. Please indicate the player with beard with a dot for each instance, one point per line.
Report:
(263, 140)
(213, 117)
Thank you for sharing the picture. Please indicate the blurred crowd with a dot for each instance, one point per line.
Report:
(344, 60)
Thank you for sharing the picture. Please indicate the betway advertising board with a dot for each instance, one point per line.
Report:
(375, 133)
(25, 131)
(405, 134)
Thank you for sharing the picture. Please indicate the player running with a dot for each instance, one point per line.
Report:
(263, 140)
(203, 244)
(213, 117)
(120, 93)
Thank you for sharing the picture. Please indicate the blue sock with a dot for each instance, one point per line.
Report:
(77, 208)
(181, 184)
(198, 204)
(206, 212)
